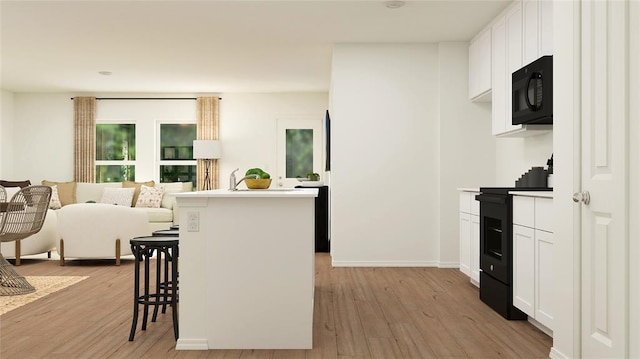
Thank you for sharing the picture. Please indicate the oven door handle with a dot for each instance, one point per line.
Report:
(491, 198)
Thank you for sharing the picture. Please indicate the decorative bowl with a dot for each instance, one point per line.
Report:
(261, 183)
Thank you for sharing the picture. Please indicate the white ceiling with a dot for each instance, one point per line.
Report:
(208, 46)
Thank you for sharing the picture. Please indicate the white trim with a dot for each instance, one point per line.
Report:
(384, 264)
(449, 265)
(556, 354)
(192, 344)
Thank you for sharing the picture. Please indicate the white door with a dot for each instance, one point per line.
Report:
(299, 149)
(605, 121)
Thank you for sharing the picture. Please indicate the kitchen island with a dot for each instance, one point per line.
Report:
(246, 269)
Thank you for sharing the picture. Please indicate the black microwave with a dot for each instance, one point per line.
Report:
(532, 93)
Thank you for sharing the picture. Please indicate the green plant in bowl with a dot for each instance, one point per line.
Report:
(258, 183)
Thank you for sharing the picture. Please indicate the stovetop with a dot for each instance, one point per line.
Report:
(506, 190)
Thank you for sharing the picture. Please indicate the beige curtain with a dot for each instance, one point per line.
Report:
(207, 129)
(84, 139)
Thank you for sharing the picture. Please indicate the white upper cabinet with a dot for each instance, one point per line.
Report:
(538, 29)
(519, 35)
(480, 67)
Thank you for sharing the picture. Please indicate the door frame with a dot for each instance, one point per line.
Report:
(567, 180)
(318, 151)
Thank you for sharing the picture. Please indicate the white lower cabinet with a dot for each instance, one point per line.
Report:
(470, 236)
(465, 243)
(475, 250)
(533, 259)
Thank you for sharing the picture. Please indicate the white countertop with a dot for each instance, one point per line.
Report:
(477, 189)
(251, 193)
(544, 194)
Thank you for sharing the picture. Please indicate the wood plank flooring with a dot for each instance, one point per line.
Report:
(360, 313)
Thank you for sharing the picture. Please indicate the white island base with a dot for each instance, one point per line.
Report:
(247, 271)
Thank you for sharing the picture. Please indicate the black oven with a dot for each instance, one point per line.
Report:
(532, 93)
(496, 246)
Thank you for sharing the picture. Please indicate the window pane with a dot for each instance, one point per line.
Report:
(178, 174)
(115, 173)
(176, 141)
(115, 142)
(299, 147)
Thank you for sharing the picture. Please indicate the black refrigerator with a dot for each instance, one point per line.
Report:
(322, 218)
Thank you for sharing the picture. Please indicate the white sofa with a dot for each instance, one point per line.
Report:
(158, 218)
(49, 237)
(44, 241)
(98, 230)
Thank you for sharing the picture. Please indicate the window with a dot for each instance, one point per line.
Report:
(299, 152)
(115, 152)
(176, 152)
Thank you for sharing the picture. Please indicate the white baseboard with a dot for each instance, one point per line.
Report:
(336, 263)
(449, 265)
(192, 344)
(555, 354)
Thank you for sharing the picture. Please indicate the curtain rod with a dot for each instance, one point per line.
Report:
(148, 98)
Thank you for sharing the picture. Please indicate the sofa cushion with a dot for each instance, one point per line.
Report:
(11, 191)
(117, 196)
(137, 186)
(150, 197)
(170, 189)
(157, 214)
(55, 203)
(21, 184)
(86, 191)
(66, 191)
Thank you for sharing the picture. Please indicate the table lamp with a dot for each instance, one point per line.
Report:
(207, 150)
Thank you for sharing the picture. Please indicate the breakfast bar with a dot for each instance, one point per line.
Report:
(246, 269)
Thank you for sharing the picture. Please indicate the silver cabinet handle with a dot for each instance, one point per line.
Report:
(583, 197)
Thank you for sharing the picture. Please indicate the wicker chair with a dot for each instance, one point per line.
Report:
(21, 217)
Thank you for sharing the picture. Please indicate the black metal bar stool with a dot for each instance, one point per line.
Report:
(166, 233)
(165, 285)
(166, 289)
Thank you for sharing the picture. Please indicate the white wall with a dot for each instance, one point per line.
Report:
(248, 127)
(401, 127)
(43, 129)
(6, 138)
(43, 137)
(466, 145)
(515, 156)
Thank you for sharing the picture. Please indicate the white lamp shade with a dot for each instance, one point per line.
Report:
(207, 149)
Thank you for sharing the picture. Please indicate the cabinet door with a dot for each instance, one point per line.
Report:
(530, 11)
(524, 269)
(465, 241)
(513, 22)
(475, 250)
(545, 37)
(544, 278)
(480, 65)
(499, 74)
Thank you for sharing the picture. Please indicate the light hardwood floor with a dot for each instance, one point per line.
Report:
(359, 313)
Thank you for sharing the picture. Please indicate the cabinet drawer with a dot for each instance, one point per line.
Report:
(523, 211)
(544, 214)
(465, 202)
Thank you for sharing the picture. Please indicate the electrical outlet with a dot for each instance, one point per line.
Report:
(193, 222)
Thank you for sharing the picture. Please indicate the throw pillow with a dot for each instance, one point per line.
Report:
(117, 196)
(55, 203)
(66, 191)
(150, 197)
(137, 185)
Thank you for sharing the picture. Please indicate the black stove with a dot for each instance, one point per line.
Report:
(496, 248)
